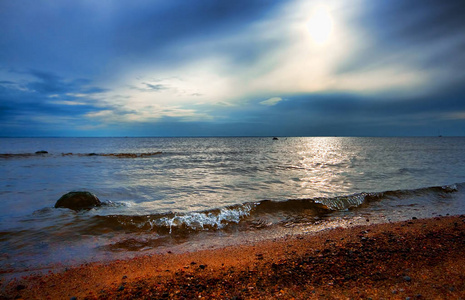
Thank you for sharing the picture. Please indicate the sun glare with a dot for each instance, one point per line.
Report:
(320, 25)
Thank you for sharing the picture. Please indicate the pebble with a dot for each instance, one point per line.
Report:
(189, 284)
(20, 287)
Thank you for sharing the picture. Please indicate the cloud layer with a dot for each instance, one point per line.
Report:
(251, 67)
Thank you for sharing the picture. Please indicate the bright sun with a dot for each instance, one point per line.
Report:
(320, 25)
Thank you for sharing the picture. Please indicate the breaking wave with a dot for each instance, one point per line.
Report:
(260, 214)
(167, 223)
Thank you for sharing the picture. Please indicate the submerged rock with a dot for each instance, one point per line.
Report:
(78, 201)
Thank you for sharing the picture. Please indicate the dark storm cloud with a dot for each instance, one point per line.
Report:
(428, 34)
(49, 83)
(84, 43)
(84, 36)
(61, 36)
(43, 102)
(421, 21)
(151, 27)
(330, 114)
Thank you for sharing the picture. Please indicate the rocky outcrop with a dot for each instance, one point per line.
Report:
(78, 201)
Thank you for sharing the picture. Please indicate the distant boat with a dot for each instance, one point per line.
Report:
(275, 138)
(439, 134)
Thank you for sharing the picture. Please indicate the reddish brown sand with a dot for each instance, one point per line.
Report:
(420, 259)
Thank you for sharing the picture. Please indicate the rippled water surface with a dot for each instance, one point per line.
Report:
(164, 191)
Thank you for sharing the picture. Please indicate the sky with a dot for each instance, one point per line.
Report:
(232, 68)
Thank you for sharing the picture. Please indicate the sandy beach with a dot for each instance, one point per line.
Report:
(416, 259)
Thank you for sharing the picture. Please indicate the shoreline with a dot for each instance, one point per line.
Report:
(423, 258)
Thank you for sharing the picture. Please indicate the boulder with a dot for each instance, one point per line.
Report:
(78, 201)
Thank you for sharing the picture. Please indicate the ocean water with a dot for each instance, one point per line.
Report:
(182, 194)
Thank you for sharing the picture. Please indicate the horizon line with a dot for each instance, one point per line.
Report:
(240, 136)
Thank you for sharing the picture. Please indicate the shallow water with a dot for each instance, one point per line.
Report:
(204, 191)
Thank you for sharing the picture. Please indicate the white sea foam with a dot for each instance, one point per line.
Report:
(450, 188)
(163, 193)
(205, 220)
(344, 202)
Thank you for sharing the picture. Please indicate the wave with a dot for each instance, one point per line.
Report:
(140, 232)
(120, 155)
(170, 222)
(260, 214)
(22, 155)
(47, 154)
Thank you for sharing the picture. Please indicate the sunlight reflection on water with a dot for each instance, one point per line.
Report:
(194, 178)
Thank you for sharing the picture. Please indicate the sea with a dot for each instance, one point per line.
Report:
(186, 194)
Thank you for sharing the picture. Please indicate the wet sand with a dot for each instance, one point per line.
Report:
(420, 259)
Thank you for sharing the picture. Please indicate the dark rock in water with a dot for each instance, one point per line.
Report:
(41, 152)
(78, 201)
